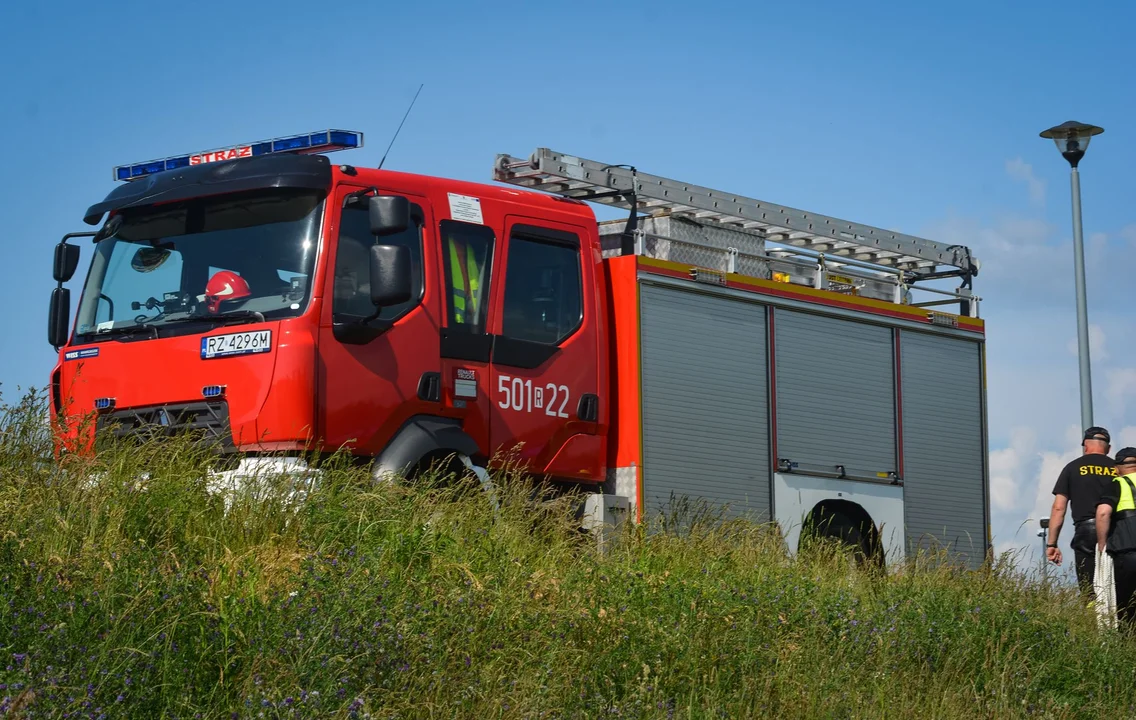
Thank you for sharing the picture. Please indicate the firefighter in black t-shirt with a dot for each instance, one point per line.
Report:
(1081, 483)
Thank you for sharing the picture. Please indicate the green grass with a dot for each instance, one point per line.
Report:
(393, 601)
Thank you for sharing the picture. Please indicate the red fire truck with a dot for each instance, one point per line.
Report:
(708, 346)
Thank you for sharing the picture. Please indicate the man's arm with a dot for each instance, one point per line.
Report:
(1110, 496)
(1104, 514)
(1056, 518)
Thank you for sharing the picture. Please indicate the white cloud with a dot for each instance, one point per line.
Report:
(1122, 381)
(1023, 171)
(1004, 465)
(1097, 343)
(1052, 461)
(1023, 232)
(1119, 388)
(1020, 262)
(1096, 253)
(1125, 437)
(1008, 467)
(1098, 350)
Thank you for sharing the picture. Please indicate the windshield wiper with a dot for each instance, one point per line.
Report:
(243, 315)
(128, 330)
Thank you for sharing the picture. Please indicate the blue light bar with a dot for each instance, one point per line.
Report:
(306, 144)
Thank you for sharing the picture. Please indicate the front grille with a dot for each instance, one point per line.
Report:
(205, 422)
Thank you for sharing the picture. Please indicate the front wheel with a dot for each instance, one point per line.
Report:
(454, 471)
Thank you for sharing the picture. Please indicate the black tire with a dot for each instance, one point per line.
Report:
(850, 525)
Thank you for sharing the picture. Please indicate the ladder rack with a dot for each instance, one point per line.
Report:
(625, 187)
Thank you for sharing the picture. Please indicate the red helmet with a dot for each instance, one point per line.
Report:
(224, 285)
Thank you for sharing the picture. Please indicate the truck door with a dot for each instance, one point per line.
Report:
(467, 252)
(372, 379)
(544, 383)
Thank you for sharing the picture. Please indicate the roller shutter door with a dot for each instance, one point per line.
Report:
(835, 392)
(943, 444)
(705, 411)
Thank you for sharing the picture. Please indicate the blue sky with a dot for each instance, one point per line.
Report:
(921, 117)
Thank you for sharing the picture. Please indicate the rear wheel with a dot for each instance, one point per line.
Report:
(850, 525)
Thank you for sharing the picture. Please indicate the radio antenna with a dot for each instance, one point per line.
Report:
(399, 127)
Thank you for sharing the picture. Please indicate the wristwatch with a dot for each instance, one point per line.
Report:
(1051, 545)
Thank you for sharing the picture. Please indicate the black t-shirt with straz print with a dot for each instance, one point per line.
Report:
(1083, 481)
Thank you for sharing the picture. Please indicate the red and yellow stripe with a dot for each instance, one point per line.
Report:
(806, 294)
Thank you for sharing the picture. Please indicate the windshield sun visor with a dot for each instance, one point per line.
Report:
(267, 171)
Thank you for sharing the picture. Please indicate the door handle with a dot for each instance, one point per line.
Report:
(589, 408)
(430, 387)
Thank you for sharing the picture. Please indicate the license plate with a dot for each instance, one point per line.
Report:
(241, 343)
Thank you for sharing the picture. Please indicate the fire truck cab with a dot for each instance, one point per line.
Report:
(273, 302)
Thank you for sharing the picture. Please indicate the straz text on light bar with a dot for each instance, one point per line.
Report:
(315, 142)
(218, 155)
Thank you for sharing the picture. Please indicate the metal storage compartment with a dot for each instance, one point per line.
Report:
(944, 444)
(705, 401)
(835, 393)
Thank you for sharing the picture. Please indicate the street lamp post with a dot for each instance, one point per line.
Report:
(1072, 140)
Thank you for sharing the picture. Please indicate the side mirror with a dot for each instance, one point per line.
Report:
(390, 214)
(390, 274)
(59, 317)
(66, 260)
(148, 259)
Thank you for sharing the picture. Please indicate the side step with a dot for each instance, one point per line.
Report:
(604, 516)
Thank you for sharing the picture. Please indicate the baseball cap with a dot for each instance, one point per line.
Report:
(1126, 455)
(1097, 433)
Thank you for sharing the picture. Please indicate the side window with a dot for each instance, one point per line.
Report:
(543, 288)
(352, 292)
(467, 253)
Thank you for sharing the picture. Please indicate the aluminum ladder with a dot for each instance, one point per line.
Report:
(625, 187)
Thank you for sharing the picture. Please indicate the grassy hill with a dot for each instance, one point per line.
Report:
(390, 601)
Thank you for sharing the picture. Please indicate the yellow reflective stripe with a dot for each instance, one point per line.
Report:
(474, 286)
(1126, 500)
(457, 288)
(458, 291)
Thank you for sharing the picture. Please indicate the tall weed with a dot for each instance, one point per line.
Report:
(129, 589)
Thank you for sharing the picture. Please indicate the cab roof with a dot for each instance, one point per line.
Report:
(314, 172)
(434, 186)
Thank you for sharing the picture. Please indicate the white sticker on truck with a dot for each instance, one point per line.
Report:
(465, 208)
(465, 388)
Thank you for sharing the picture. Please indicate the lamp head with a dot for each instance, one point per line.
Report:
(1072, 139)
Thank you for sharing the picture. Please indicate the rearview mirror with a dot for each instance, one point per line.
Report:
(390, 214)
(66, 260)
(390, 274)
(59, 317)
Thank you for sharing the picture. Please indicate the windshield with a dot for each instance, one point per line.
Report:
(250, 255)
